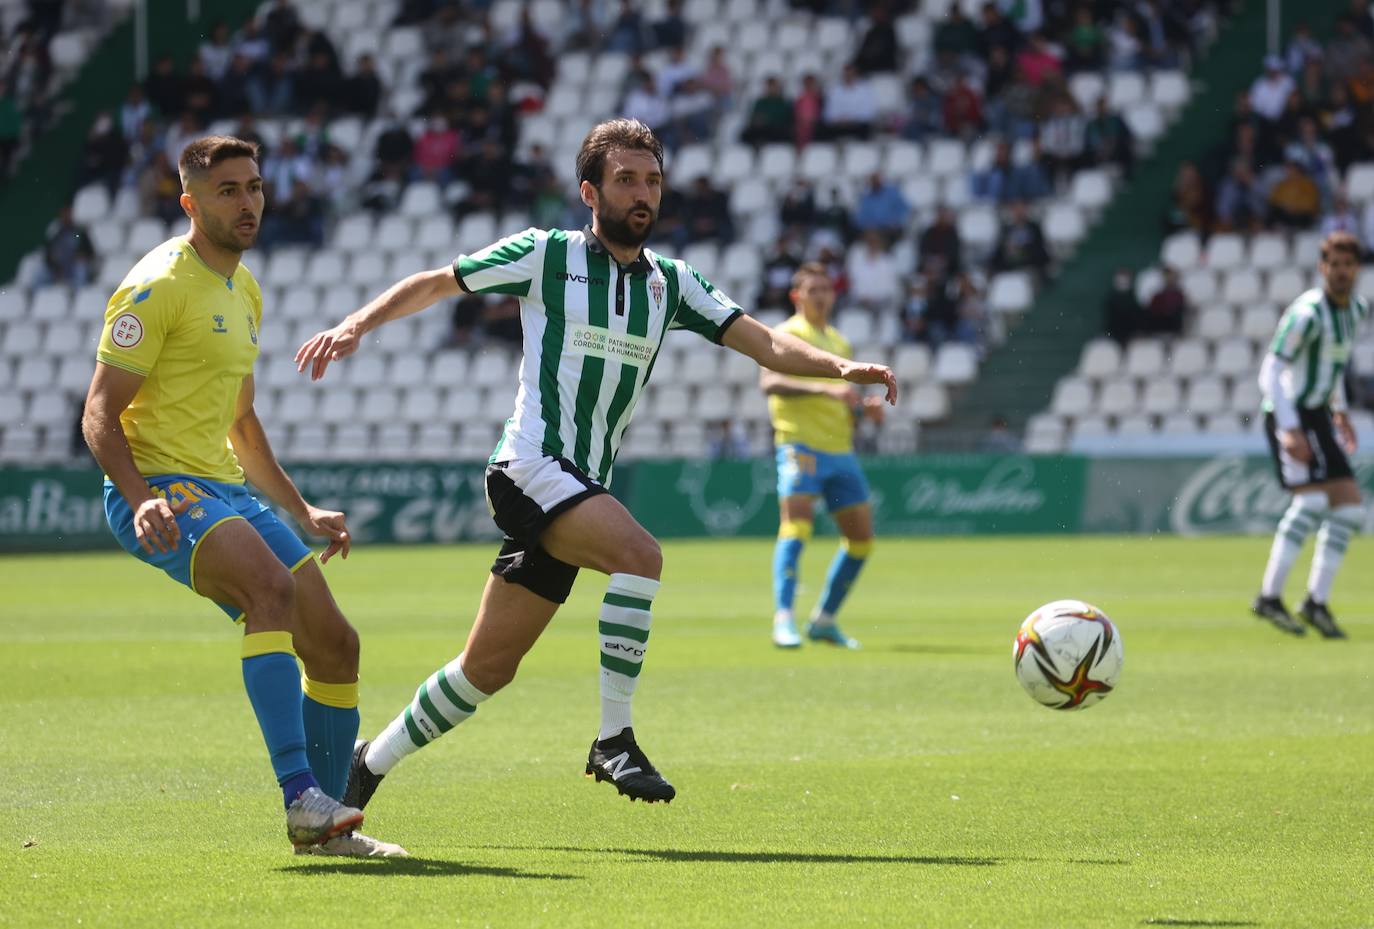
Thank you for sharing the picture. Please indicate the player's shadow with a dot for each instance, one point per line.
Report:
(765, 857)
(417, 867)
(1165, 921)
(915, 648)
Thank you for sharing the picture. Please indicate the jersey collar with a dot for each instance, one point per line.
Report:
(639, 266)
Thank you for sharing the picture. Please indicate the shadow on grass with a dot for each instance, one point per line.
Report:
(913, 648)
(1164, 921)
(765, 857)
(679, 854)
(416, 867)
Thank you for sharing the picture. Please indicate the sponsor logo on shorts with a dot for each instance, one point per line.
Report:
(126, 331)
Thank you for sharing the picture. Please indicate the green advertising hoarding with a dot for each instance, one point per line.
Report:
(421, 502)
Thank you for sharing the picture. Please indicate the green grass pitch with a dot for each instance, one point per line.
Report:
(1227, 782)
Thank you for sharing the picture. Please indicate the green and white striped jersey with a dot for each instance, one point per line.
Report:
(1315, 339)
(592, 332)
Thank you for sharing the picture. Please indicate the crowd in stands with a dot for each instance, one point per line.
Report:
(1301, 123)
(1291, 136)
(28, 78)
(1003, 75)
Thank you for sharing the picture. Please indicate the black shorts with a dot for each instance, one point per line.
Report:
(524, 496)
(1329, 461)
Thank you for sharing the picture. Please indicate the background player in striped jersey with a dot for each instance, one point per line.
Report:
(595, 308)
(170, 418)
(1303, 379)
(813, 423)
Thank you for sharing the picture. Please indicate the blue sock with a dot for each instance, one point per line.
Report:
(792, 538)
(330, 715)
(843, 570)
(273, 682)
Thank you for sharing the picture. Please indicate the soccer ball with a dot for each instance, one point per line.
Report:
(1068, 655)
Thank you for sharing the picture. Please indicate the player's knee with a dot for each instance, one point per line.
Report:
(272, 595)
(858, 545)
(644, 558)
(489, 673)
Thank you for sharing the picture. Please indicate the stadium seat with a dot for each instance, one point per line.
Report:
(421, 405)
(1101, 359)
(1246, 396)
(1146, 122)
(298, 302)
(1011, 292)
(1189, 358)
(1086, 87)
(929, 403)
(715, 401)
(1091, 190)
(421, 199)
(1235, 358)
(1170, 90)
(393, 441)
(1145, 358)
(1206, 395)
(1064, 227)
(691, 162)
(945, 157)
(1045, 434)
(1225, 250)
(74, 374)
(911, 363)
(1200, 286)
(477, 231)
(14, 304)
(921, 192)
(860, 160)
(777, 163)
(50, 304)
(1359, 182)
(1215, 323)
(22, 339)
(1178, 423)
(1135, 424)
(1118, 398)
(903, 159)
(1073, 397)
(492, 368)
(393, 234)
(978, 227)
(956, 363)
(91, 205)
(1089, 427)
(435, 441)
(144, 235)
(1258, 323)
(20, 444)
(1307, 249)
(285, 266)
(1162, 395)
(1268, 251)
(1125, 89)
(1182, 251)
(1242, 288)
(67, 338)
(669, 403)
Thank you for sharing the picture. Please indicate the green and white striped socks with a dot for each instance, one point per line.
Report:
(624, 634)
(442, 702)
(1304, 514)
(1332, 540)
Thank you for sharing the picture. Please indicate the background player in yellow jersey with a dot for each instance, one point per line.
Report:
(170, 418)
(813, 424)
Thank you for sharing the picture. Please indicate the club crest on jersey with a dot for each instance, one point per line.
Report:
(196, 512)
(656, 288)
(252, 330)
(219, 323)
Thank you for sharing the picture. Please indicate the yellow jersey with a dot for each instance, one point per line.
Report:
(193, 334)
(823, 423)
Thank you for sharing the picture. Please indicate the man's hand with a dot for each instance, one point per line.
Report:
(860, 373)
(873, 409)
(330, 524)
(155, 524)
(1295, 445)
(330, 345)
(1345, 432)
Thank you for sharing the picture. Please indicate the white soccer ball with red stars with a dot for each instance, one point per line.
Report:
(1068, 655)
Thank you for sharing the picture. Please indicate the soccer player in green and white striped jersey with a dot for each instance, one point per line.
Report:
(1303, 379)
(595, 308)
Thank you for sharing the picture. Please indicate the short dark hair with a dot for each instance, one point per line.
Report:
(809, 269)
(1340, 242)
(206, 152)
(607, 137)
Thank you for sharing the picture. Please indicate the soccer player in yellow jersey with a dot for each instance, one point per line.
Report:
(813, 423)
(170, 418)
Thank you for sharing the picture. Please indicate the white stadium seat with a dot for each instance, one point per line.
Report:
(1145, 358)
(1091, 189)
(1161, 396)
(1170, 90)
(1359, 182)
(1118, 398)
(956, 363)
(929, 403)
(1073, 396)
(1182, 251)
(1189, 358)
(1011, 292)
(1101, 359)
(1178, 423)
(1206, 395)
(1235, 358)
(1225, 250)
(911, 363)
